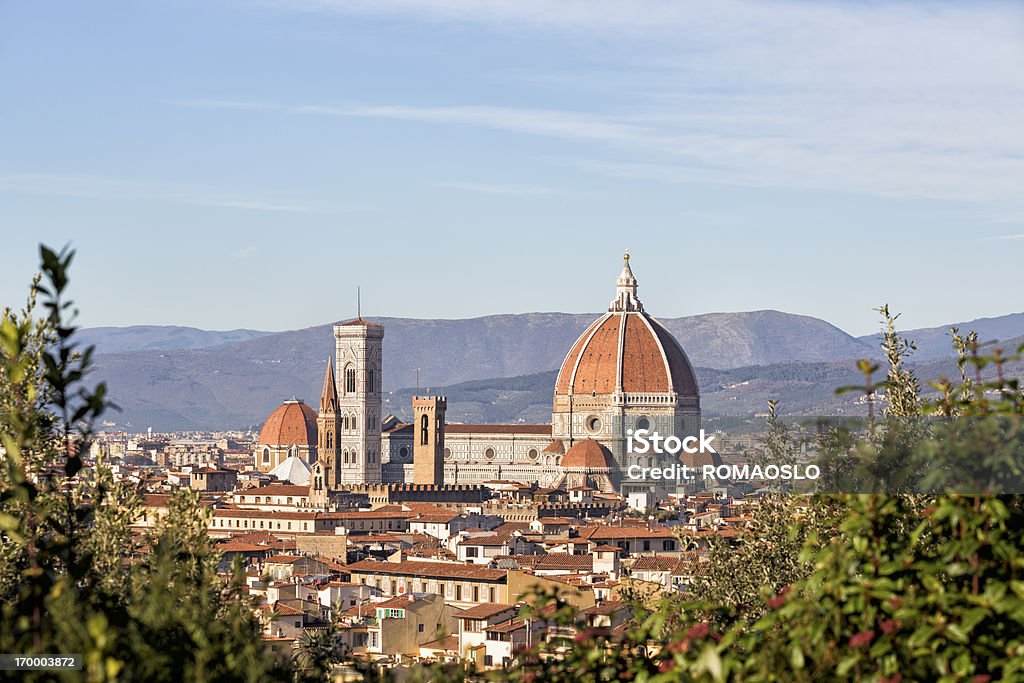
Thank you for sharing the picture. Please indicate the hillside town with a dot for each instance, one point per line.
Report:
(425, 541)
(419, 573)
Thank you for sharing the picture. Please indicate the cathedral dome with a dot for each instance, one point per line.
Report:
(626, 351)
(588, 454)
(292, 424)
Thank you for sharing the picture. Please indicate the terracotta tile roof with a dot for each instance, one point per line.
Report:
(568, 365)
(651, 359)
(283, 559)
(609, 607)
(447, 570)
(597, 370)
(552, 561)
(561, 521)
(675, 566)
(260, 538)
(683, 377)
(610, 533)
(399, 601)
(434, 518)
(282, 609)
(240, 547)
(484, 610)
(292, 423)
(507, 626)
(555, 447)
(366, 610)
(589, 454)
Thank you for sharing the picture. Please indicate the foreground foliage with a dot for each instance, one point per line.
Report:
(71, 578)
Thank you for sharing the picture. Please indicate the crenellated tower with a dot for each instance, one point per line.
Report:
(428, 439)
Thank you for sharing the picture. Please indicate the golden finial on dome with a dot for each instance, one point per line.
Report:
(625, 257)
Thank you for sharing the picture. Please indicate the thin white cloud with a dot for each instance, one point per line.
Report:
(1009, 237)
(497, 189)
(119, 189)
(892, 99)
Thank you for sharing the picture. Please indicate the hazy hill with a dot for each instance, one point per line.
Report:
(744, 359)
(160, 337)
(240, 383)
(935, 342)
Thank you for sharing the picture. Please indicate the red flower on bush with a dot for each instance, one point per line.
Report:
(666, 665)
(779, 600)
(862, 638)
(889, 625)
(698, 631)
(895, 603)
(677, 646)
(981, 678)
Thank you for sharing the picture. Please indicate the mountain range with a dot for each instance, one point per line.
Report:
(496, 368)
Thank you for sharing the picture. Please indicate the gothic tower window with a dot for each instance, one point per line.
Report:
(370, 384)
(350, 380)
(424, 430)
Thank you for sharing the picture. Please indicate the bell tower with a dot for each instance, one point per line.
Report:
(428, 439)
(358, 361)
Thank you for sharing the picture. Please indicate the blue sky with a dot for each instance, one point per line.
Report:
(247, 164)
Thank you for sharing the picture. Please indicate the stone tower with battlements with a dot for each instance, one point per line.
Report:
(428, 439)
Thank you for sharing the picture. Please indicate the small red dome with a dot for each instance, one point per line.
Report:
(588, 454)
(292, 424)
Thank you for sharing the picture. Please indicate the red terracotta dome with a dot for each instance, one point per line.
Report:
(588, 454)
(292, 424)
(627, 351)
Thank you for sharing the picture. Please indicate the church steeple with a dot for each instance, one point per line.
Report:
(328, 425)
(625, 290)
(329, 396)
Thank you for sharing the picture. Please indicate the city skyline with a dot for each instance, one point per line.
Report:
(221, 165)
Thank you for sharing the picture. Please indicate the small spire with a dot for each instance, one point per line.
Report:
(359, 304)
(329, 396)
(626, 299)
